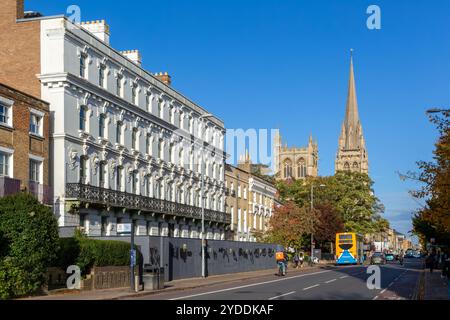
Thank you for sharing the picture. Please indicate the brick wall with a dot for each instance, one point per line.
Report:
(19, 138)
(19, 49)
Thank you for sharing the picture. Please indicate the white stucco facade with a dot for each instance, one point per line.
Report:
(123, 134)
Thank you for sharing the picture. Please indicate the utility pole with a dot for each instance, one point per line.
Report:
(132, 257)
(208, 115)
(312, 221)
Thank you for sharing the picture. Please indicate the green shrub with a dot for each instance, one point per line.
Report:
(14, 281)
(29, 234)
(87, 253)
(69, 250)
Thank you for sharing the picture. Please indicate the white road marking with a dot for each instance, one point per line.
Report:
(343, 277)
(250, 285)
(376, 297)
(383, 291)
(307, 288)
(329, 281)
(283, 295)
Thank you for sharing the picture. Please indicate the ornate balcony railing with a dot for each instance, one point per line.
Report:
(118, 199)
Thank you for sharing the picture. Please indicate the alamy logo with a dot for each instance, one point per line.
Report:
(74, 14)
(374, 280)
(374, 20)
(74, 280)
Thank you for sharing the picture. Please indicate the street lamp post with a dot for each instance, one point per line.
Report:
(208, 115)
(437, 110)
(312, 220)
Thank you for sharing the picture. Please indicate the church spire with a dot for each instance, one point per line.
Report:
(352, 153)
(351, 121)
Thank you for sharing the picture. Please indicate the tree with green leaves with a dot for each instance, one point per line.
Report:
(433, 220)
(289, 226)
(349, 193)
(29, 233)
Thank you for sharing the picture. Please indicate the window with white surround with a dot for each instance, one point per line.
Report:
(149, 99)
(35, 169)
(119, 132)
(134, 139)
(5, 164)
(119, 85)
(83, 118)
(161, 108)
(172, 115)
(161, 149)
(83, 66)
(134, 94)
(148, 147)
(36, 123)
(5, 114)
(83, 169)
(102, 174)
(102, 126)
(191, 125)
(119, 178)
(102, 76)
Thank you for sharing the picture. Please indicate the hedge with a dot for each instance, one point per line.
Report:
(87, 253)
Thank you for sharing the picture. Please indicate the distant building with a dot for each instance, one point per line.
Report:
(250, 200)
(295, 162)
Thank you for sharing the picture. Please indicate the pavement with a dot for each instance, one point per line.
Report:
(435, 286)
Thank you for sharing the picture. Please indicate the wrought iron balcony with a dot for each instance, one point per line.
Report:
(112, 198)
(9, 186)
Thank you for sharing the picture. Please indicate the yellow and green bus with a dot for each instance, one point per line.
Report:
(349, 248)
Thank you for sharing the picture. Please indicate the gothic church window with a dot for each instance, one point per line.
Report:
(301, 168)
(287, 168)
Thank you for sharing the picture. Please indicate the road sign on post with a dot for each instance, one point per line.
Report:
(123, 228)
(132, 257)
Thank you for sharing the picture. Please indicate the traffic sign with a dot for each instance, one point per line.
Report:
(133, 257)
(124, 228)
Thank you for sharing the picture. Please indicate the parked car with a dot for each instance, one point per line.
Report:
(389, 257)
(378, 258)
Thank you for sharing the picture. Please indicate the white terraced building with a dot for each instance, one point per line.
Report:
(125, 145)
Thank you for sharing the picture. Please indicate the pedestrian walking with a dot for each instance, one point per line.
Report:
(301, 258)
(430, 261)
(296, 260)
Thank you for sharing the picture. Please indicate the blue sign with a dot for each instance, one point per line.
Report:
(132, 257)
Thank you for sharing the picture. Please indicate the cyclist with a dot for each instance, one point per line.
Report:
(281, 257)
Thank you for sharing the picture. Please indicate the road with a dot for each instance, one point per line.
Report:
(334, 283)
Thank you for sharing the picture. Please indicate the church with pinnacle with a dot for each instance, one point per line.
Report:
(299, 163)
(352, 153)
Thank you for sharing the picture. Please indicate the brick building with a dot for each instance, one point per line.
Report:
(24, 144)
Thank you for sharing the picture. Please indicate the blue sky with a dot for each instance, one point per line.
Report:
(284, 64)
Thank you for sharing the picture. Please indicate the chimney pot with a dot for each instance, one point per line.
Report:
(165, 78)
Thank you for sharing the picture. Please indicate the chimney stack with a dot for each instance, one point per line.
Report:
(133, 55)
(165, 78)
(99, 28)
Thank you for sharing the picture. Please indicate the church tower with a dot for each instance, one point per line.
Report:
(352, 153)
